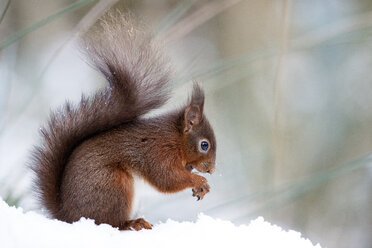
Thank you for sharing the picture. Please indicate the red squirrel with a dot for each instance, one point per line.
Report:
(91, 151)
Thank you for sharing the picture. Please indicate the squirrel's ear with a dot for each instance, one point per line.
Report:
(191, 117)
(194, 112)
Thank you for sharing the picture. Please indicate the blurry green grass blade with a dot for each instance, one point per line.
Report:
(225, 64)
(173, 16)
(12, 200)
(4, 11)
(21, 33)
(228, 63)
(353, 26)
(191, 64)
(205, 11)
(350, 37)
(291, 191)
(301, 188)
(297, 191)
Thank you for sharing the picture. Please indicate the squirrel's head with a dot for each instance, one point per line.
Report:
(198, 136)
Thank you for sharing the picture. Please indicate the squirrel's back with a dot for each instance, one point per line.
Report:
(137, 83)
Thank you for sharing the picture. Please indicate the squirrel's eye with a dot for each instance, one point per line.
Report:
(204, 145)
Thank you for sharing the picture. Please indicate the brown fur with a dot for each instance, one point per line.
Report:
(90, 153)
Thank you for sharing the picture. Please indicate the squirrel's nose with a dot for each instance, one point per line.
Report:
(210, 171)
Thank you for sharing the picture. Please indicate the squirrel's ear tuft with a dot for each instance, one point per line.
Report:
(197, 97)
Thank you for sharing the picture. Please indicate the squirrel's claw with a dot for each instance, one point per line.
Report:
(194, 193)
(200, 191)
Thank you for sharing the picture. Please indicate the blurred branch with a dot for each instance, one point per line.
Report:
(18, 35)
(200, 16)
(4, 11)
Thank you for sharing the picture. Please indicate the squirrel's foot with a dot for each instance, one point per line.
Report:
(136, 225)
(200, 191)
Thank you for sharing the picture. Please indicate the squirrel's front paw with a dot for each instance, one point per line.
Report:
(201, 190)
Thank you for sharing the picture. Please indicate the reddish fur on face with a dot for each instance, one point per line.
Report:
(85, 166)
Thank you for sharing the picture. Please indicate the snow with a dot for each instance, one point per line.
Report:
(19, 229)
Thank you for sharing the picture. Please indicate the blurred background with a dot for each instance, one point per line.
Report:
(288, 91)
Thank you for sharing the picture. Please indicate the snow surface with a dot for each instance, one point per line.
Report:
(19, 229)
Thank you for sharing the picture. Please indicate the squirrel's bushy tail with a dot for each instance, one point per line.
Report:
(137, 77)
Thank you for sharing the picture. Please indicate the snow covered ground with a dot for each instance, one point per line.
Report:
(19, 229)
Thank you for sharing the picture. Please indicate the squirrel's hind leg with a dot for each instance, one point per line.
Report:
(136, 224)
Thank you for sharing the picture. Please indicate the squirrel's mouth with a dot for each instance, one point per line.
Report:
(189, 167)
